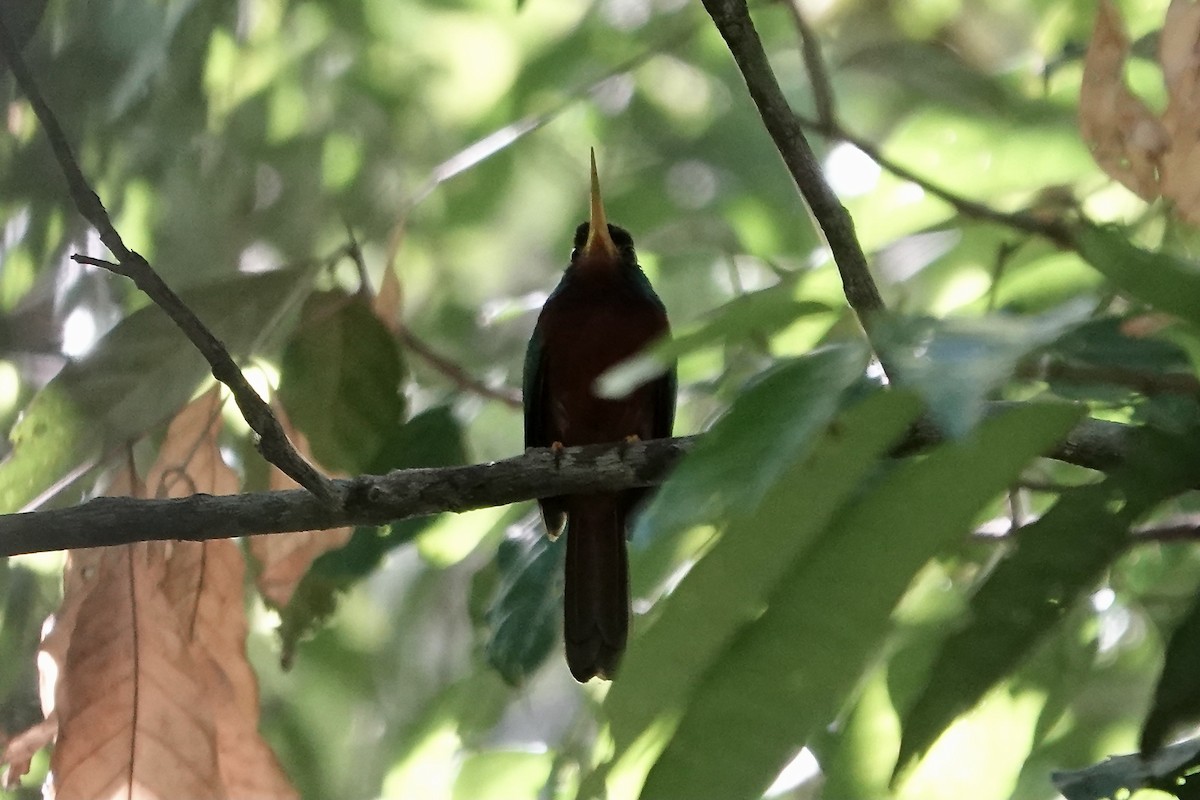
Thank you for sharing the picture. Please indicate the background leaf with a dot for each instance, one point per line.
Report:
(770, 682)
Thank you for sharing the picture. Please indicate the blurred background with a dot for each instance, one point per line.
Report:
(449, 139)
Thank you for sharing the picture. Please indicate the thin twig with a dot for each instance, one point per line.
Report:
(455, 373)
(827, 124)
(733, 21)
(1144, 382)
(1050, 228)
(814, 65)
(273, 442)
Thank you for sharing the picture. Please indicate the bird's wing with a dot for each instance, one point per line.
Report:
(534, 392)
(537, 413)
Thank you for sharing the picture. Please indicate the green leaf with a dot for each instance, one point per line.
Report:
(523, 618)
(955, 364)
(139, 374)
(340, 381)
(772, 424)
(789, 672)
(1161, 280)
(755, 314)
(433, 438)
(503, 775)
(730, 585)
(1057, 558)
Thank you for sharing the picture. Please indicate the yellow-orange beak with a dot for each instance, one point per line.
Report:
(599, 242)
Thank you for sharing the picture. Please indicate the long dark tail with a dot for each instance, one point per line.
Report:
(596, 602)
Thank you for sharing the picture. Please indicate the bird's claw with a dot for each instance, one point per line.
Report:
(557, 448)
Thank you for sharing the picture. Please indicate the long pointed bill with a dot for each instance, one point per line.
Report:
(599, 242)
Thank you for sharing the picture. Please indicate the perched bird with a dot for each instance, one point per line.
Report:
(603, 311)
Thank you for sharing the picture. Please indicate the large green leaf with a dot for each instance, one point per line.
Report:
(1057, 558)
(341, 380)
(141, 372)
(730, 585)
(772, 424)
(1158, 279)
(787, 674)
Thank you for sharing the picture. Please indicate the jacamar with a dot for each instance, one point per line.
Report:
(602, 312)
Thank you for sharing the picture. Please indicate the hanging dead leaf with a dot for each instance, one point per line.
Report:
(204, 582)
(134, 716)
(248, 767)
(284, 558)
(155, 694)
(1125, 138)
(1181, 73)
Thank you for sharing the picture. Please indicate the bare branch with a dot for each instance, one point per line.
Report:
(734, 23)
(273, 442)
(377, 500)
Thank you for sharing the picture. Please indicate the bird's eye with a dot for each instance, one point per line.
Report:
(628, 253)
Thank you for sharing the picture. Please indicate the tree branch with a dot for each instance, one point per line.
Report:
(378, 500)
(734, 23)
(273, 442)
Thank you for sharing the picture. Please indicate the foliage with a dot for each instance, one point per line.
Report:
(369, 201)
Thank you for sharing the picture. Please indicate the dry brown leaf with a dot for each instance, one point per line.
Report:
(1123, 135)
(1180, 62)
(156, 696)
(204, 582)
(134, 716)
(284, 558)
(248, 767)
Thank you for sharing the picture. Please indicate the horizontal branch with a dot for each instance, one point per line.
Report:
(378, 500)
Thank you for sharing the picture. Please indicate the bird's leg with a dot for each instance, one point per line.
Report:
(557, 448)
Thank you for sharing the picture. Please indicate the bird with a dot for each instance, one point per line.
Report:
(602, 312)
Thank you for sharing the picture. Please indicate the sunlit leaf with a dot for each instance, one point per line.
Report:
(1161, 280)
(731, 584)
(771, 425)
(1056, 559)
(757, 314)
(788, 673)
(138, 374)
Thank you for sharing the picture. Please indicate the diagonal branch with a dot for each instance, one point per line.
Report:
(273, 442)
(377, 500)
(733, 21)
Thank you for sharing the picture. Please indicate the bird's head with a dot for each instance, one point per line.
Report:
(597, 243)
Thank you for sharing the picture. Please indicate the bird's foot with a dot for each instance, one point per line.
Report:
(628, 440)
(557, 448)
